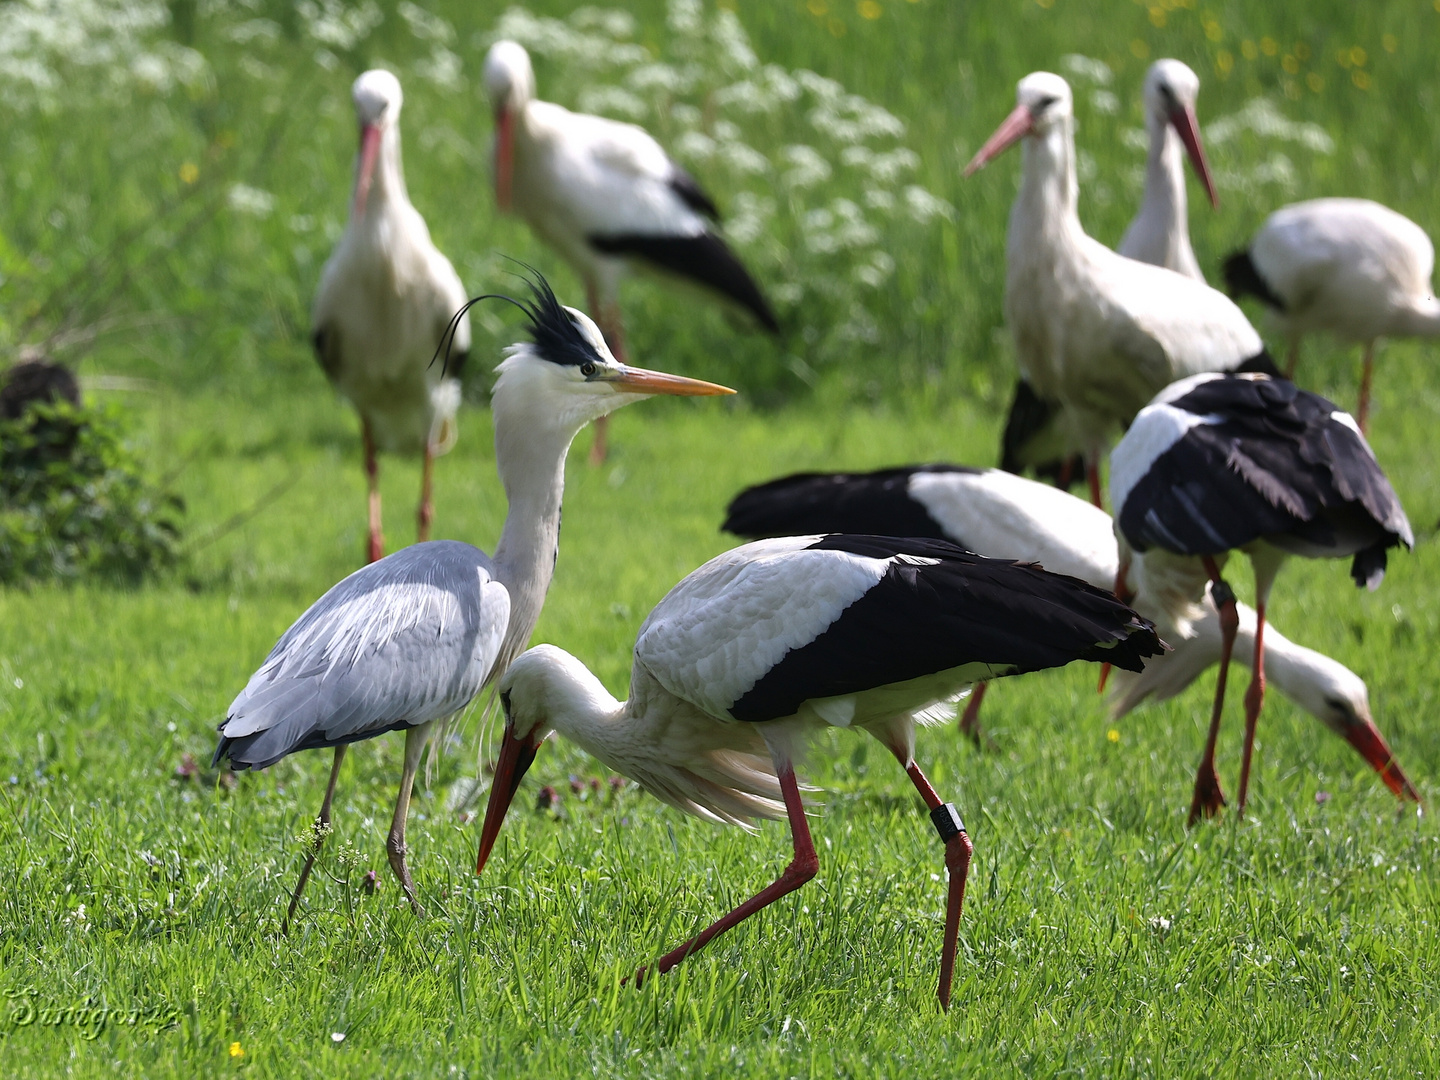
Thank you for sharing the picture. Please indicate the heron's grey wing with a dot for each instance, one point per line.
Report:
(403, 641)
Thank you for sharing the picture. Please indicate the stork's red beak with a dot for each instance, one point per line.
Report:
(1182, 118)
(1011, 130)
(504, 156)
(1365, 737)
(516, 756)
(369, 154)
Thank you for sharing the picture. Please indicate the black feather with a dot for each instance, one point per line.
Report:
(704, 259)
(875, 502)
(691, 193)
(1278, 465)
(1243, 279)
(557, 337)
(924, 617)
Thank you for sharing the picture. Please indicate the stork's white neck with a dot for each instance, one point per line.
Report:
(1046, 212)
(387, 182)
(1160, 233)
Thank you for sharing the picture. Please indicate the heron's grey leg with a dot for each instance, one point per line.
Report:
(427, 507)
(322, 829)
(1367, 368)
(415, 740)
(372, 479)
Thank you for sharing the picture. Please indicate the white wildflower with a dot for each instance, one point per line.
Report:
(612, 101)
(1264, 118)
(332, 23)
(743, 158)
(695, 146)
(248, 200)
(1103, 101)
(1087, 68)
(807, 167)
(426, 25)
(923, 206)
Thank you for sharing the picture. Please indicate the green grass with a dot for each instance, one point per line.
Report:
(1301, 941)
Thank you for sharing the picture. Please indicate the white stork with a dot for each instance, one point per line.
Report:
(1350, 266)
(413, 638)
(1223, 462)
(607, 197)
(1160, 233)
(771, 642)
(1096, 335)
(1003, 516)
(386, 298)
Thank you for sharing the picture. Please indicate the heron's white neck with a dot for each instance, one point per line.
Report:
(387, 182)
(1160, 233)
(1046, 212)
(530, 457)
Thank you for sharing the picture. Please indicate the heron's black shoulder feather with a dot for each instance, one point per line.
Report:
(937, 608)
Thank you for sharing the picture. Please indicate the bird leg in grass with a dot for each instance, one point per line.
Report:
(1254, 699)
(958, 850)
(322, 829)
(607, 317)
(1367, 369)
(415, 740)
(970, 721)
(1208, 798)
(1292, 357)
(372, 479)
(802, 868)
(1124, 595)
(1092, 474)
(427, 506)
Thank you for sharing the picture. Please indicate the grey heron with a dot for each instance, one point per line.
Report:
(413, 638)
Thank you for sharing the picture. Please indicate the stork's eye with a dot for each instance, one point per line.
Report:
(588, 368)
(1045, 102)
(1338, 704)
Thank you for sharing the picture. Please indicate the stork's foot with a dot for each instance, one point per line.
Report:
(958, 850)
(1208, 799)
(395, 849)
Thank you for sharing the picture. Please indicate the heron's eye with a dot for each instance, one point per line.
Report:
(587, 369)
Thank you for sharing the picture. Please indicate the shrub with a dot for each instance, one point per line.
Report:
(75, 502)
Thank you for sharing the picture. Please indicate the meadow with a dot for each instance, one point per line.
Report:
(172, 184)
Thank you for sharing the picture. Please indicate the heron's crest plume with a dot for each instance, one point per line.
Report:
(556, 336)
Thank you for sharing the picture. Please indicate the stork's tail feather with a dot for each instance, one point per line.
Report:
(704, 259)
(1243, 279)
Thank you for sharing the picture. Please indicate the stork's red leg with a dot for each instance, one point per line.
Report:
(1092, 474)
(1208, 798)
(802, 868)
(607, 317)
(1367, 369)
(427, 505)
(970, 721)
(372, 480)
(958, 850)
(1124, 595)
(1292, 358)
(1254, 699)
(322, 830)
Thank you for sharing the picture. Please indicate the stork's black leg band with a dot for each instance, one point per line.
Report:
(1221, 593)
(947, 821)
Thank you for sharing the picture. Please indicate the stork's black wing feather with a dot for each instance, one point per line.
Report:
(937, 608)
(876, 502)
(704, 259)
(1270, 459)
(692, 194)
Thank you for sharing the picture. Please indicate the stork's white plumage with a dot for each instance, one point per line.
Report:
(413, 638)
(1243, 462)
(1003, 516)
(1160, 233)
(606, 196)
(1349, 266)
(769, 643)
(386, 298)
(1096, 335)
